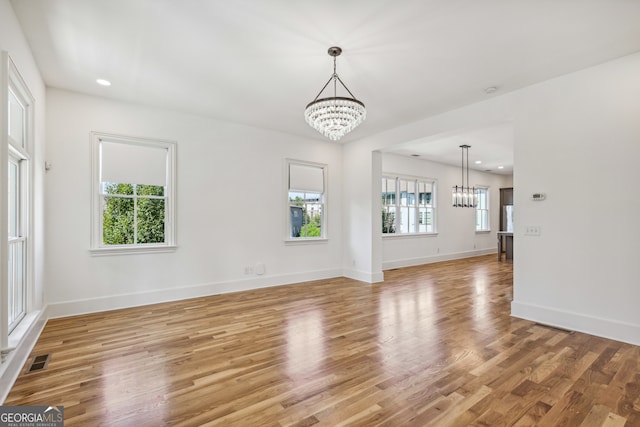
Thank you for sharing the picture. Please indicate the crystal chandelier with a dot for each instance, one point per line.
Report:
(461, 196)
(336, 116)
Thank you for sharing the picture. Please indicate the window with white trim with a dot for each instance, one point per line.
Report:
(482, 209)
(17, 285)
(134, 194)
(306, 200)
(408, 205)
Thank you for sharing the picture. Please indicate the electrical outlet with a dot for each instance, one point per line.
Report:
(532, 230)
(248, 270)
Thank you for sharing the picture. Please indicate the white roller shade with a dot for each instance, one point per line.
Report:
(133, 164)
(306, 178)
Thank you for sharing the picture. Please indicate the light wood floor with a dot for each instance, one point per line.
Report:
(431, 346)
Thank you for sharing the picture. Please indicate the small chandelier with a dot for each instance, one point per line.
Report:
(461, 196)
(336, 116)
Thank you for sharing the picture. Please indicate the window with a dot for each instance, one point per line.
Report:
(408, 205)
(306, 196)
(388, 205)
(482, 209)
(16, 136)
(134, 194)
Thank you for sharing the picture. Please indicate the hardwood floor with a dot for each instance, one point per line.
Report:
(431, 346)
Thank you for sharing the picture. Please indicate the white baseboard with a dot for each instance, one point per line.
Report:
(410, 262)
(606, 328)
(10, 369)
(364, 276)
(114, 302)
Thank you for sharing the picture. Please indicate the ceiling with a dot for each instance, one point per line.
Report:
(259, 62)
(490, 148)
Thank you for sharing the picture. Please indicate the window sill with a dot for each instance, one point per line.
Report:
(392, 236)
(123, 250)
(306, 241)
(483, 231)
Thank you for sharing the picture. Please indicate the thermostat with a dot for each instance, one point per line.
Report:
(538, 197)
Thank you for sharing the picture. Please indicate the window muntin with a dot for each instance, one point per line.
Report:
(306, 200)
(408, 205)
(134, 201)
(482, 209)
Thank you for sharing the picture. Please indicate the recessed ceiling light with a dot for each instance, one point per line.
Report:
(478, 162)
(103, 82)
(500, 167)
(490, 89)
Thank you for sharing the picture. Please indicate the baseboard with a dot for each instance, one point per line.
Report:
(606, 328)
(410, 262)
(10, 369)
(364, 276)
(114, 302)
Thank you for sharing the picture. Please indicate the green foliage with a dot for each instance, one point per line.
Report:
(312, 228)
(296, 202)
(118, 215)
(388, 222)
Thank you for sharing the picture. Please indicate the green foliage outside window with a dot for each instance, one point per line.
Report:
(129, 219)
(388, 222)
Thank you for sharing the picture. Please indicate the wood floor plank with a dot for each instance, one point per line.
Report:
(433, 345)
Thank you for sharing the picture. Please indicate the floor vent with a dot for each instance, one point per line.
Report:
(39, 363)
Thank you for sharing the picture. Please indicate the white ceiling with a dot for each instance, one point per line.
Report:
(259, 62)
(491, 146)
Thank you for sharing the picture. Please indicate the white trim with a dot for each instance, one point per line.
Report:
(10, 77)
(4, 199)
(127, 250)
(364, 276)
(433, 206)
(606, 328)
(325, 202)
(305, 240)
(488, 209)
(96, 246)
(26, 336)
(410, 262)
(392, 236)
(114, 302)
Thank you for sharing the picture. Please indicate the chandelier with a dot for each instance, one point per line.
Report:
(461, 196)
(335, 116)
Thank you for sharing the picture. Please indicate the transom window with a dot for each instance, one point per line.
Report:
(408, 205)
(134, 198)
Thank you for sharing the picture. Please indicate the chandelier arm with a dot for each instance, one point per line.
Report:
(345, 86)
(323, 88)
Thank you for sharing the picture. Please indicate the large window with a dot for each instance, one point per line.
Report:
(408, 205)
(482, 209)
(306, 200)
(134, 194)
(19, 133)
(16, 148)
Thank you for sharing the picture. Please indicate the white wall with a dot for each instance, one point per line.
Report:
(231, 208)
(578, 140)
(13, 41)
(456, 237)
